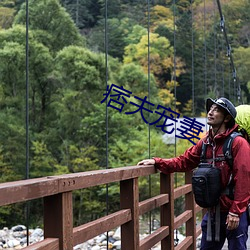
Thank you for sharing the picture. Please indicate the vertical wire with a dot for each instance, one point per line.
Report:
(175, 94)
(27, 89)
(174, 73)
(174, 79)
(215, 51)
(27, 208)
(222, 69)
(229, 83)
(106, 80)
(205, 52)
(223, 79)
(149, 134)
(192, 28)
(222, 72)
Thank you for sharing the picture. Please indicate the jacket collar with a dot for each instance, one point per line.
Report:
(221, 136)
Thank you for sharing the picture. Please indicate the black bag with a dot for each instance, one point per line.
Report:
(206, 181)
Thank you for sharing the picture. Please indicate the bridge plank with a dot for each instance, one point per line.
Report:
(99, 177)
(187, 242)
(185, 189)
(46, 244)
(90, 230)
(24, 190)
(152, 203)
(182, 218)
(154, 238)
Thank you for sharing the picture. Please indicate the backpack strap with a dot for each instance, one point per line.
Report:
(203, 152)
(227, 151)
(227, 148)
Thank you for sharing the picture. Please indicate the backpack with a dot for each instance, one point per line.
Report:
(206, 179)
(243, 120)
(206, 183)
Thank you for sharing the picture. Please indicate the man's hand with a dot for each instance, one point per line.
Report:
(232, 221)
(146, 162)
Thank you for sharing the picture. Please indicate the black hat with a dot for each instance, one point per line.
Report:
(223, 103)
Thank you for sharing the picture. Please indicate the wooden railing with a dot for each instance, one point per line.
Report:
(59, 232)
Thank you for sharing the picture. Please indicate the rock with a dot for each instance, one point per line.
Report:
(16, 238)
(91, 242)
(117, 234)
(23, 240)
(18, 234)
(111, 239)
(18, 228)
(18, 247)
(38, 232)
(117, 244)
(13, 243)
(100, 238)
(95, 248)
(3, 233)
(81, 246)
(111, 233)
(103, 243)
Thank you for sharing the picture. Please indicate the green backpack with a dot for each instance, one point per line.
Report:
(243, 119)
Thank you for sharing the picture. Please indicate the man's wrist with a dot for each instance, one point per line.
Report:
(233, 214)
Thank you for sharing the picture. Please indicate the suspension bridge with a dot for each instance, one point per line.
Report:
(59, 233)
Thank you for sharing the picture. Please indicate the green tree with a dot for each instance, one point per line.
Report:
(6, 17)
(136, 80)
(42, 163)
(13, 60)
(84, 13)
(117, 32)
(53, 25)
(241, 56)
(161, 59)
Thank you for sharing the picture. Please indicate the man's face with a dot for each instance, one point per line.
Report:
(215, 116)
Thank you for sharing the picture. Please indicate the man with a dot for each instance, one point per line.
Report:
(221, 115)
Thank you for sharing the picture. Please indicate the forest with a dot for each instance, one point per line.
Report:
(56, 70)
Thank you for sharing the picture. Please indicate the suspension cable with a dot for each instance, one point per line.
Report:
(107, 120)
(175, 94)
(222, 66)
(27, 207)
(192, 74)
(229, 54)
(149, 134)
(205, 51)
(174, 59)
(215, 52)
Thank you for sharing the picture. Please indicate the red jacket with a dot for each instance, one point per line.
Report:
(241, 167)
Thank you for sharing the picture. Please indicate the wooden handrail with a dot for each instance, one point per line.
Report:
(58, 208)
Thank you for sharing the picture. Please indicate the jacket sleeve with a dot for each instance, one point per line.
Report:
(185, 162)
(241, 175)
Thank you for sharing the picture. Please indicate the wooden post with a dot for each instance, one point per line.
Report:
(129, 197)
(167, 210)
(58, 219)
(190, 205)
